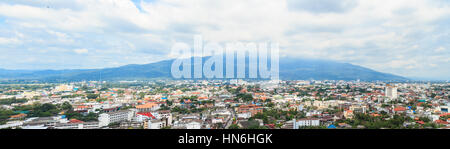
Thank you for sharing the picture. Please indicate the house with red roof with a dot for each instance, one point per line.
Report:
(399, 109)
(375, 114)
(143, 116)
(420, 122)
(252, 108)
(441, 122)
(348, 114)
(75, 121)
(201, 98)
(19, 116)
(444, 114)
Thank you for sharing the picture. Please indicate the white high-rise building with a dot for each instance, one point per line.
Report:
(391, 92)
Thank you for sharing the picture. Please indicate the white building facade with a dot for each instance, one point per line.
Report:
(114, 117)
(306, 122)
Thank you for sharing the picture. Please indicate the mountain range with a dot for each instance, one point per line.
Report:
(290, 69)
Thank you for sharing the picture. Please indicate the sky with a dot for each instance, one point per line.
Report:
(410, 38)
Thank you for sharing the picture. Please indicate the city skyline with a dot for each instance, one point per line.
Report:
(225, 104)
(407, 38)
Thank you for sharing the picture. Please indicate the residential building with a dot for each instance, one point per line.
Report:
(115, 117)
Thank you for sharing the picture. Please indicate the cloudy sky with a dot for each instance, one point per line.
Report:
(404, 37)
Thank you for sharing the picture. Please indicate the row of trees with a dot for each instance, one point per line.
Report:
(43, 110)
(384, 121)
(270, 116)
(46, 110)
(253, 125)
(4, 115)
(12, 100)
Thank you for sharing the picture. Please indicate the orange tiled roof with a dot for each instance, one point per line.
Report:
(441, 122)
(75, 121)
(83, 107)
(375, 115)
(249, 106)
(19, 115)
(445, 114)
(147, 105)
(400, 109)
(420, 122)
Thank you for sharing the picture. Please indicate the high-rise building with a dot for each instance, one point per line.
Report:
(391, 92)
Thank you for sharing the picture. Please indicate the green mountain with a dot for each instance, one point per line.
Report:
(290, 69)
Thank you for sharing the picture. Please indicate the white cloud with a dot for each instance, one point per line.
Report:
(370, 33)
(440, 49)
(6, 41)
(81, 51)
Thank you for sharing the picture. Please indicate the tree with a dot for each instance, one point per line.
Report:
(141, 95)
(12, 100)
(115, 124)
(245, 97)
(219, 125)
(44, 110)
(424, 119)
(92, 96)
(66, 106)
(84, 87)
(4, 115)
(234, 126)
(270, 104)
(120, 92)
(166, 127)
(169, 103)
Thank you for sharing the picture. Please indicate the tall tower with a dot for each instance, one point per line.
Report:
(391, 91)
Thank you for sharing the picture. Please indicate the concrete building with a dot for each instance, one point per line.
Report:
(245, 115)
(155, 124)
(83, 125)
(148, 107)
(391, 92)
(193, 125)
(305, 122)
(165, 115)
(114, 117)
(126, 125)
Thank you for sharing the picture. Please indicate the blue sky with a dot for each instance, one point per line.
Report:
(403, 37)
